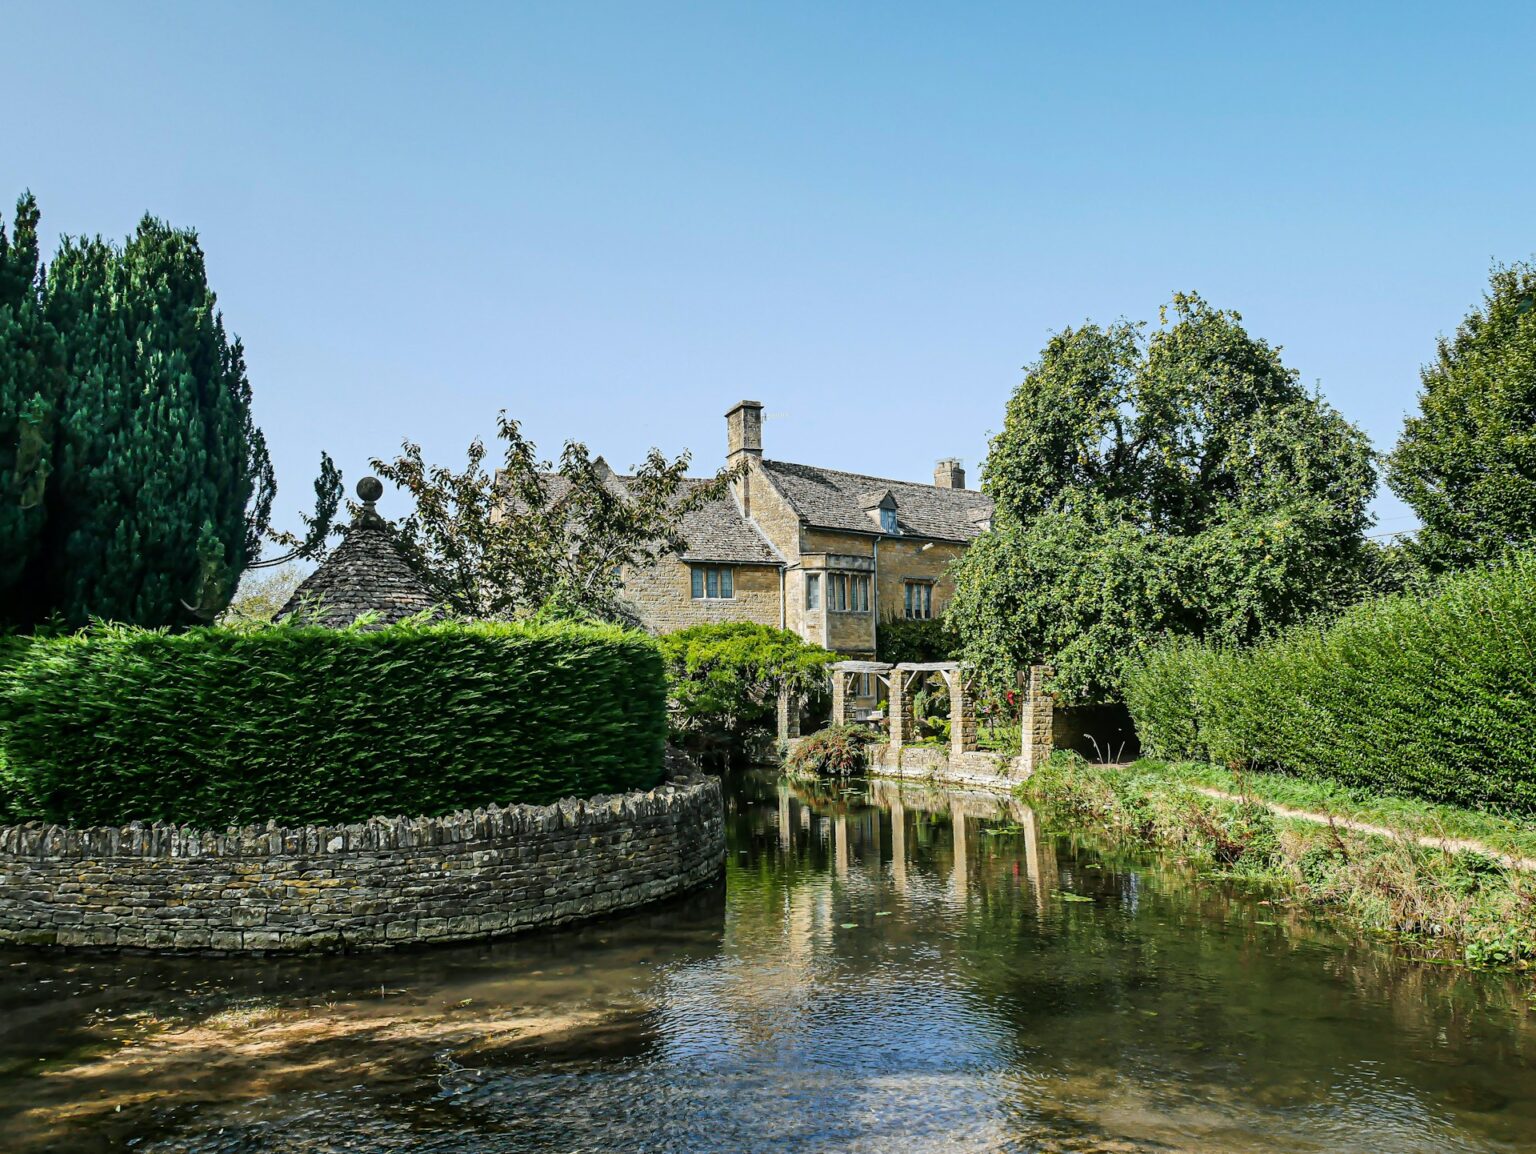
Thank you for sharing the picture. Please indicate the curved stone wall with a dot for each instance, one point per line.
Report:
(385, 882)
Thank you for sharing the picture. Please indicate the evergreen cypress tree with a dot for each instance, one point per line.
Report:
(147, 518)
(30, 378)
(134, 484)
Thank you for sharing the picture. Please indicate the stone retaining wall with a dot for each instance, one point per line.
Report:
(385, 882)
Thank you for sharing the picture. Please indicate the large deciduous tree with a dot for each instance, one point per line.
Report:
(139, 486)
(1181, 481)
(531, 537)
(1466, 463)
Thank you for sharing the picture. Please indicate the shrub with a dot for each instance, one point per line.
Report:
(838, 749)
(1430, 695)
(724, 680)
(899, 639)
(300, 724)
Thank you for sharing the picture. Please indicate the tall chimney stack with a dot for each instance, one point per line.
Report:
(743, 444)
(948, 474)
(744, 431)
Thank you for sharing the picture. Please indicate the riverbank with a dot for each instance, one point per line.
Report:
(1456, 904)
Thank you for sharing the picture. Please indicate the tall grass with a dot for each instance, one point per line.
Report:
(1431, 696)
(219, 726)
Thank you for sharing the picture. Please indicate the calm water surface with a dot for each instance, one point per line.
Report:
(891, 969)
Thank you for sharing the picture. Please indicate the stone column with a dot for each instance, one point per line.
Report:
(839, 698)
(789, 714)
(1039, 715)
(962, 714)
(902, 729)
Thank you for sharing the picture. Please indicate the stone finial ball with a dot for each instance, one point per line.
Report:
(370, 489)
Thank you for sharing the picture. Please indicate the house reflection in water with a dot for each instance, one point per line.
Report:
(910, 838)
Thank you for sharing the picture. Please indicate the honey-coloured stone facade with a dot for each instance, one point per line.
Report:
(782, 524)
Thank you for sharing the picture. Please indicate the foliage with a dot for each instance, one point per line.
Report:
(1466, 463)
(298, 724)
(1462, 904)
(724, 681)
(31, 377)
(262, 593)
(529, 536)
(1430, 695)
(1183, 483)
(134, 485)
(839, 750)
(899, 639)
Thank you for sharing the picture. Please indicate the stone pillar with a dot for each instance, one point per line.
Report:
(839, 698)
(789, 714)
(1039, 715)
(902, 729)
(962, 714)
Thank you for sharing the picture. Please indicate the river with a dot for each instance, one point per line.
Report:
(882, 968)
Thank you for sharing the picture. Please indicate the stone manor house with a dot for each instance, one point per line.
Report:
(819, 551)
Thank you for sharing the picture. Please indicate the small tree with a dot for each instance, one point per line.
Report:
(1466, 463)
(725, 681)
(532, 538)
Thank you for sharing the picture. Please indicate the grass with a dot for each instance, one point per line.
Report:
(1513, 836)
(1452, 906)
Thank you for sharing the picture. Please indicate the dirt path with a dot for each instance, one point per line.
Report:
(1449, 844)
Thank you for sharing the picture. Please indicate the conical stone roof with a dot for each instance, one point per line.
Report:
(364, 574)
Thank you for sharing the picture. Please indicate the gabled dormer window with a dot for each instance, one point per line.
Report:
(881, 507)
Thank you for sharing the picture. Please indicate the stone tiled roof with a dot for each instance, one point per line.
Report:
(715, 531)
(364, 574)
(831, 499)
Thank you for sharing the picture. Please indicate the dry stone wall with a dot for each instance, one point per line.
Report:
(385, 882)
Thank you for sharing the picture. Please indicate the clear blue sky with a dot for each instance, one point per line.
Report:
(615, 220)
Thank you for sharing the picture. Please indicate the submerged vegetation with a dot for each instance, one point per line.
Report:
(1466, 905)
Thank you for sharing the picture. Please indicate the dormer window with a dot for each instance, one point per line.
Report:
(881, 507)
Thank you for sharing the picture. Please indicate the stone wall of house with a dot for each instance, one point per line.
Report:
(903, 560)
(381, 883)
(662, 596)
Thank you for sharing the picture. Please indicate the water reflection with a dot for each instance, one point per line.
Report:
(883, 967)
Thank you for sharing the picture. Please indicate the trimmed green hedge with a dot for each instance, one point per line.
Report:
(1431, 696)
(216, 726)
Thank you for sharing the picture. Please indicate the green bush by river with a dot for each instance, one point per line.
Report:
(215, 726)
(1431, 696)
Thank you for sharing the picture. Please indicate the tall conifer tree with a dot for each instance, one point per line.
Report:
(30, 379)
(134, 484)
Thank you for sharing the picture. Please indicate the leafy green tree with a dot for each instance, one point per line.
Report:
(1466, 463)
(530, 537)
(262, 594)
(1178, 483)
(724, 682)
(134, 484)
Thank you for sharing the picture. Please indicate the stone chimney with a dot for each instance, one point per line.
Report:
(744, 431)
(743, 445)
(948, 474)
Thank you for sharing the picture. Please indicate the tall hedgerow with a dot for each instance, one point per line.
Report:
(1430, 695)
(216, 726)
